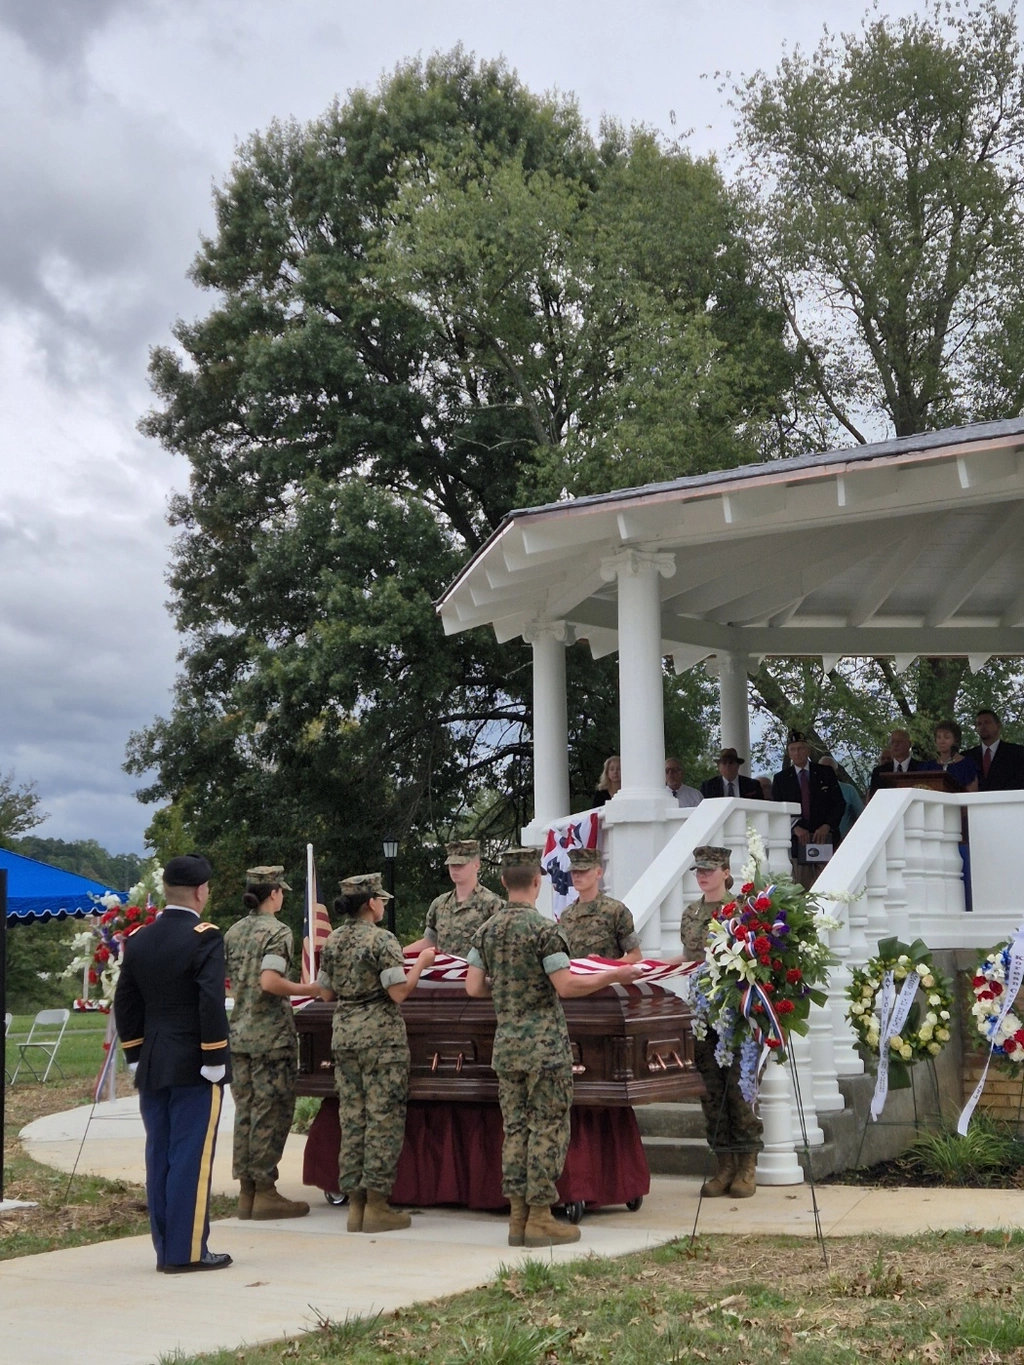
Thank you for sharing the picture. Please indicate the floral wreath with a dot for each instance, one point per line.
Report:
(925, 1032)
(1006, 1037)
(766, 963)
(97, 950)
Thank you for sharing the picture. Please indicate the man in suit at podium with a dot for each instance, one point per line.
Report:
(729, 782)
(901, 761)
(822, 805)
(1000, 763)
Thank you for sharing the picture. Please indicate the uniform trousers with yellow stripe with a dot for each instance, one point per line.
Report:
(181, 1138)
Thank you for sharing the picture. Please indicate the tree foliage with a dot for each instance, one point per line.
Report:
(19, 808)
(885, 178)
(442, 300)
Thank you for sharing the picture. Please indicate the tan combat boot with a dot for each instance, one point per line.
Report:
(719, 1184)
(379, 1216)
(269, 1204)
(245, 1198)
(517, 1220)
(356, 1208)
(542, 1230)
(744, 1182)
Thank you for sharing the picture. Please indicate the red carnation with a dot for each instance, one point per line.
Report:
(763, 902)
(747, 887)
(777, 964)
(978, 981)
(762, 945)
(149, 920)
(1019, 1035)
(995, 988)
(93, 976)
(102, 953)
(758, 1008)
(728, 909)
(132, 913)
(784, 1007)
(794, 975)
(985, 995)
(106, 918)
(772, 1042)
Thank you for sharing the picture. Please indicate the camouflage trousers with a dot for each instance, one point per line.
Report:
(373, 1087)
(264, 1093)
(731, 1124)
(535, 1112)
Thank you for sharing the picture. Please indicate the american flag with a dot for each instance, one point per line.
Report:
(448, 970)
(318, 924)
(580, 832)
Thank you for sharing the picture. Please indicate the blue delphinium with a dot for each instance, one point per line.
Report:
(749, 1051)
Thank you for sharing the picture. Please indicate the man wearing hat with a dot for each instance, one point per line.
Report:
(521, 960)
(816, 791)
(454, 917)
(170, 1015)
(258, 951)
(596, 925)
(729, 782)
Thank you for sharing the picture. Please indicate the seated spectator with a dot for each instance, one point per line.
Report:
(852, 797)
(609, 782)
(1000, 763)
(947, 735)
(729, 782)
(815, 790)
(900, 762)
(674, 781)
(765, 784)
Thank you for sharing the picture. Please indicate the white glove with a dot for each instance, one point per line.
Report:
(132, 1068)
(213, 1074)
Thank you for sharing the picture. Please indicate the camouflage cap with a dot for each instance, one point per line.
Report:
(521, 857)
(462, 851)
(367, 883)
(708, 856)
(266, 876)
(582, 859)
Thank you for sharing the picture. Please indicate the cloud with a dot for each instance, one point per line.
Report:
(57, 30)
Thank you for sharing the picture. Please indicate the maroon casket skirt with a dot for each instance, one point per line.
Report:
(452, 1155)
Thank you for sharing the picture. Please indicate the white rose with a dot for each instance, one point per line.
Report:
(906, 1052)
(903, 958)
(934, 1048)
(856, 1008)
(935, 1000)
(928, 982)
(942, 1034)
(943, 1014)
(896, 1043)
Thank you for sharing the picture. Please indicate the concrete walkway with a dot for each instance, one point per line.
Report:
(104, 1305)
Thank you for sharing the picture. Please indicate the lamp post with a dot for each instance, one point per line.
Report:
(390, 854)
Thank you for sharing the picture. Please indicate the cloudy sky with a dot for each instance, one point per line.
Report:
(116, 119)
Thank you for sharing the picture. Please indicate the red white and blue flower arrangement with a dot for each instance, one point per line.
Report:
(1001, 1028)
(97, 950)
(766, 964)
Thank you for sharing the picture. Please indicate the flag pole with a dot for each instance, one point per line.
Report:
(311, 911)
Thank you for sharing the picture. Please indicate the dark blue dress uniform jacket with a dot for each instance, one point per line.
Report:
(169, 1003)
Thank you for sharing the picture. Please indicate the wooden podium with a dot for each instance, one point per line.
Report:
(931, 779)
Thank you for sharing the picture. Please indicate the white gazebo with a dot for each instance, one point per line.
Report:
(905, 548)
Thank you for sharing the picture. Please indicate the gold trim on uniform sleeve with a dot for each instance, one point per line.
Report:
(135, 1042)
(213, 1047)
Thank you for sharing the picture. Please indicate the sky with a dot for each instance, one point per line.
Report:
(117, 119)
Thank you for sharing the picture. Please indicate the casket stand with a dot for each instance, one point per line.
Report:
(630, 1046)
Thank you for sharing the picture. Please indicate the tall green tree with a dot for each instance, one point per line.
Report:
(884, 174)
(442, 300)
(19, 808)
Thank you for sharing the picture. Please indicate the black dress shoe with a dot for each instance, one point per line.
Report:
(212, 1260)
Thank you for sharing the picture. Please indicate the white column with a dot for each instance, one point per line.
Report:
(550, 719)
(777, 1163)
(641, 698)
(732, 686)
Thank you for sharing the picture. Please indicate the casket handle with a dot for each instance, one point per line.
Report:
(458, 1064)
(434, 1062)
(578, 1069)
(326, 1066)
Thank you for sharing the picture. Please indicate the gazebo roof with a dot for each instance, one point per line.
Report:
(907, 547)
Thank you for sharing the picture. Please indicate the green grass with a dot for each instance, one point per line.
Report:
(81, 1049)
(937, 1298)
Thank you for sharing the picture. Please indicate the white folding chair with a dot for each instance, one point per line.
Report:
(44, 1036)
(7, 1028)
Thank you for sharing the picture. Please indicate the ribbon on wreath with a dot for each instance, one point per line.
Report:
(892, 1014)
(1014, 981)
(765, 1028)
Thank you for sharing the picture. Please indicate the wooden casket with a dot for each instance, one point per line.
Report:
(629, 1047)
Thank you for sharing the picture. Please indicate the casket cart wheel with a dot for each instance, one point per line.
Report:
(335, 1197)
(634, 1204)
(574, 1210)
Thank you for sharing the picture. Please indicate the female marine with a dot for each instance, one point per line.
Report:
(362, 968)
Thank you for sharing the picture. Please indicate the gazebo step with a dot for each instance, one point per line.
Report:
(670, 1120)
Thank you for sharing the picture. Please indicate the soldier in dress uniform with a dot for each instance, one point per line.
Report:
(733, 1129)
(258, 950)
(362, 967)
(595, 924)
(454, 917)
(522, 960)
(170, 1015)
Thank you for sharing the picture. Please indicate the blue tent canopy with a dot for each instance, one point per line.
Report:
(37, 891)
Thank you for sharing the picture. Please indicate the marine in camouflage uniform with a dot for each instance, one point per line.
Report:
(360, 960)
(452, 923)
(263, 1043)
(602, 927)
(518, 949)
(731, 1124)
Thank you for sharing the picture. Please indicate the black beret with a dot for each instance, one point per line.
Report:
(188, 869)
